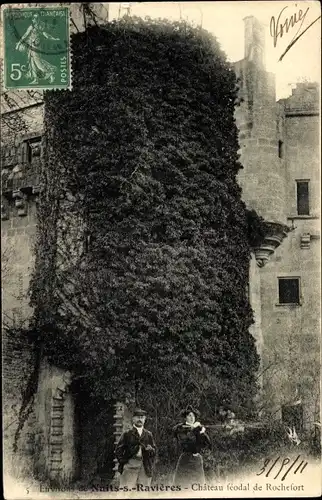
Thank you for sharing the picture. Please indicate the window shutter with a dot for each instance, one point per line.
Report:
(24, 152)
(303, 198)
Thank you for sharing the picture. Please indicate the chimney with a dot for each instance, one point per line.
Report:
(254, 41)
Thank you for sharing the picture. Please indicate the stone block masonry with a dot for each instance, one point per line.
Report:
(279, 145)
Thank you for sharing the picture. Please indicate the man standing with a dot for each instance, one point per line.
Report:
(135, 453)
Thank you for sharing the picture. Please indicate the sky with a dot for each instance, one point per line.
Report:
(225, 21)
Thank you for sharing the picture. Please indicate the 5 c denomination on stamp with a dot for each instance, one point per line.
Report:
(36, 48)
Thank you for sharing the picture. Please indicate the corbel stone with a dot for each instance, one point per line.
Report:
(268, 248)
(35, 193)
(305, 240)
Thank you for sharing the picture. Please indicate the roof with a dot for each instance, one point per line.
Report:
(18, 99)
(304, 99)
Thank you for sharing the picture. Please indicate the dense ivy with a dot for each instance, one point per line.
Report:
(144, 242)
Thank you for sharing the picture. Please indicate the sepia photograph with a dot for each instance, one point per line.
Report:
(160, 249)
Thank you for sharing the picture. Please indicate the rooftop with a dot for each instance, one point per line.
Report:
(15, 100)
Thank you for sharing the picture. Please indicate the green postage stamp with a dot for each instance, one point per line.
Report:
(36, 48)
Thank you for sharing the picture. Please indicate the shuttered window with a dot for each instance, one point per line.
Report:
(302, 189)
(31, 150)
(24, 152)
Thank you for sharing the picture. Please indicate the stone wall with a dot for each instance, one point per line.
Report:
(292, 333)
(291, 352)
(262, 178)
(254, 290)
(18, 231)
(279, 144)
(19, 360)
(55, 442)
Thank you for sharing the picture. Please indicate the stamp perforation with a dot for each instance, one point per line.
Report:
(36, 48)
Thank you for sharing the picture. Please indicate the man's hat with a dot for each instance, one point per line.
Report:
(190, 409)
(139, 413)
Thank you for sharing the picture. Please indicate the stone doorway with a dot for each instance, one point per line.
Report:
(94, 438)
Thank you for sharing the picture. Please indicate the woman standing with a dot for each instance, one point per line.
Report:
(192, 438)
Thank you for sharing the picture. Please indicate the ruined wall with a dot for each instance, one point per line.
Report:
(46, 444)
(18, 231)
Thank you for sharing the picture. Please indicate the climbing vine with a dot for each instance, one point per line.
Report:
(143, 248)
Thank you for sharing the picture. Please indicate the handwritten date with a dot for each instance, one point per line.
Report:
(281, 463)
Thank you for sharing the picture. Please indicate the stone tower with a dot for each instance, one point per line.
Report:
(279, 147)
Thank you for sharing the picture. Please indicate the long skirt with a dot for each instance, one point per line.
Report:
(189, 470)
(39, 67)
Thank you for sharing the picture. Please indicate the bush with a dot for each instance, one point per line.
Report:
(246, 451)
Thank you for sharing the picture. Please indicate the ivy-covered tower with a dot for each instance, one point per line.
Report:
(152, 240)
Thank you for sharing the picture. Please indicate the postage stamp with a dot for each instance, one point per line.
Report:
(36, 48)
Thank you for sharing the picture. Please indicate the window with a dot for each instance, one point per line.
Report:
(302, 191)
(280, 149)
(289, 290)
(30, 151)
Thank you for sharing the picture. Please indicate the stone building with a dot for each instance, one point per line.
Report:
(279, 146)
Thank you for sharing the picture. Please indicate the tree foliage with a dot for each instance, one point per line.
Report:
(143, 240)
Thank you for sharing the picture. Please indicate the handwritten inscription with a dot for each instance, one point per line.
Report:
(280, 463)
(283, 24)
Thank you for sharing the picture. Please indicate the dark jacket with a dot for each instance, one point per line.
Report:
(128, 447)
(191, 440)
